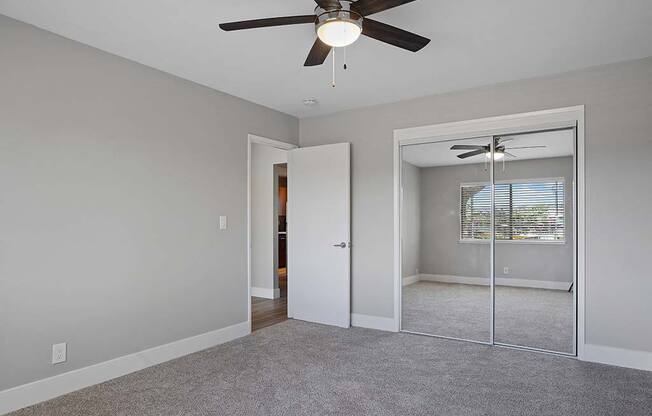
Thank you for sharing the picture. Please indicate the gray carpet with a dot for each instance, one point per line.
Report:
(296, 368)
(536, 318)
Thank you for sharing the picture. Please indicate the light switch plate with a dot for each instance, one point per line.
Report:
(59, 353)
(222, 222)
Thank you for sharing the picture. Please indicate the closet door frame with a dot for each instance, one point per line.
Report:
(568, 117)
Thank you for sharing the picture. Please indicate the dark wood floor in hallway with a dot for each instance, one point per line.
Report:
(267, 312)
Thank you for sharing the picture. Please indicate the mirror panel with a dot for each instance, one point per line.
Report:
(534, 248)
(445, 236)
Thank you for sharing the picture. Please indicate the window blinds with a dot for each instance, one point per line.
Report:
(525, 211)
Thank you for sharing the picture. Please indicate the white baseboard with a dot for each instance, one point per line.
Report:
(500, 281)
(263, 292)
(640, 360)
(410, 279)
(38, 391)
(373, 322)
(534, 284)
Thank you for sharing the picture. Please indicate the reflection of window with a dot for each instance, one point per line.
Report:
(531, 210)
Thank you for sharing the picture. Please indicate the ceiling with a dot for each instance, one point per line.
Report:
(474, 43)
(558, 144)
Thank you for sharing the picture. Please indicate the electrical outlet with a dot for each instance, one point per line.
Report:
(505, 270)
(223, 222)
(59, 353)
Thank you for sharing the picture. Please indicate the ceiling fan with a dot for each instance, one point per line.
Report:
(500, 150)
(340, 23)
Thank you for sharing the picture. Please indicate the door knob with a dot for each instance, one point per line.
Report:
(340, 245)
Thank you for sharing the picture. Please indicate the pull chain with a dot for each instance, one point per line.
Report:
(333, 84)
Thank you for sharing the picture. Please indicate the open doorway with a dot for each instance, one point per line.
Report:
(266, 311)
(299, 233)
(268, 254)
(281, 252)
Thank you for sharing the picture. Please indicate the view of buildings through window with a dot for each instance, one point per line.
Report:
(525, 210)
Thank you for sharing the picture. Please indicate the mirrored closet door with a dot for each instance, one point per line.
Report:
(446, 233)
(534, 250)
(487, 240)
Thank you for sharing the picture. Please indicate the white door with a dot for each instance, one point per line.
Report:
(319, 249)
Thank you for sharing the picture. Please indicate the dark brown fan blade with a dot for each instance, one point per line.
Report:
(473, 153)
(393, 35)
(329, 4)
(467, 147)
(367, 7)
(272, 21)
(318, 53)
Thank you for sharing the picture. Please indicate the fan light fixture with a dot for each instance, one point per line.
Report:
(338, 27)
(339, 32)
(497, 155)
(340, 23)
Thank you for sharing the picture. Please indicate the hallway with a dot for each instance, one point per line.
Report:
(267, 312)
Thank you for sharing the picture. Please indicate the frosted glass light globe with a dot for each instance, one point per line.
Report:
(339, 33)
(497, 155)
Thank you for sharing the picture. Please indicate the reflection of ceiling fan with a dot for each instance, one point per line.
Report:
(339, 23)
(500, 152)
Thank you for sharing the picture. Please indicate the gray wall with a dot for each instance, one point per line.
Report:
(441, 251)
(112, 179)
(618, 101)
(411, 224)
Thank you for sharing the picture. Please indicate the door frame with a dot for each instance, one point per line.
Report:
(251, 139)
(500, 125)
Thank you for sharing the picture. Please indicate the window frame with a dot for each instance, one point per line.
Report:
(509, 181)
